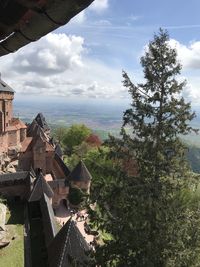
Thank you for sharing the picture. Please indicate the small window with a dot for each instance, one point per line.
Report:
(7, 113)
(6, 124)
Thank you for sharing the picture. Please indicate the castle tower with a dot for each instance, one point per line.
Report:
(6, 109)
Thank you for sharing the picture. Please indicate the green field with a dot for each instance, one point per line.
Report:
(13, 254)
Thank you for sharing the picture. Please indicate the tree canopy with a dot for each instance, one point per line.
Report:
(76, 196)
(75, 135)
(153, 216)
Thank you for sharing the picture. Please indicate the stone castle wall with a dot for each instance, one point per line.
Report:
(6, 109)
(3, 142)
(12, 130)
(25, 160)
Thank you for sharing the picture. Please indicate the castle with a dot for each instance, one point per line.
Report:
(35, 149)
(42, 182)
(12, 130)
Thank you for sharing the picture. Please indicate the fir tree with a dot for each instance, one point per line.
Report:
(153, 217)
(158, 115)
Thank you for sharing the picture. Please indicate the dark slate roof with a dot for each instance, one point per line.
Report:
(80, 173)
(4, 87)
(22, 175)
(40, 187)
(35, 129)
(62, 165)
(40, 119)
(37, 134)
(48, 219)
(32, 128)
(57, 183)
(68, 242)
(58, 150)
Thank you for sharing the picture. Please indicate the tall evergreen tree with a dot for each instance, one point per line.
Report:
(153, 217)
(158, 114)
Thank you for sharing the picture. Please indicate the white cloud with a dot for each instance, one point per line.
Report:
(54, 53)
(59, 65)
(99, 5)
(189, 56)
(80, 18)
(192, 91)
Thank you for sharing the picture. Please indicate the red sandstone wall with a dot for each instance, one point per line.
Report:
(7, 112)
(49, 161)
(6, 95)
(57, 171)
(18, 137)
(3, 142)
(1, 122)
(22, 134)
(6, 107)
(59, 194)
(13, 138)
(39, 156)
(25, 161)
(10, 110)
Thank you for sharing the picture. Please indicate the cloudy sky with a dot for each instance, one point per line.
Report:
(84, 59)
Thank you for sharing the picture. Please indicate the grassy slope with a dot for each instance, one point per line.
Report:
(13, 254)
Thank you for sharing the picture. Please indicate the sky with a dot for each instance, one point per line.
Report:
(84, 59)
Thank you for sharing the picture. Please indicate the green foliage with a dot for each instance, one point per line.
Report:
(76, 196)
(13, 254)
(71, 161)
(59, 134)
(157, 116)
(154, 217)
(147, 231)
(81, 150)
(101, 168)
(75, 135)
(78, 153)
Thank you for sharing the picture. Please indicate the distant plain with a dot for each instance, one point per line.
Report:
(103, 115)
